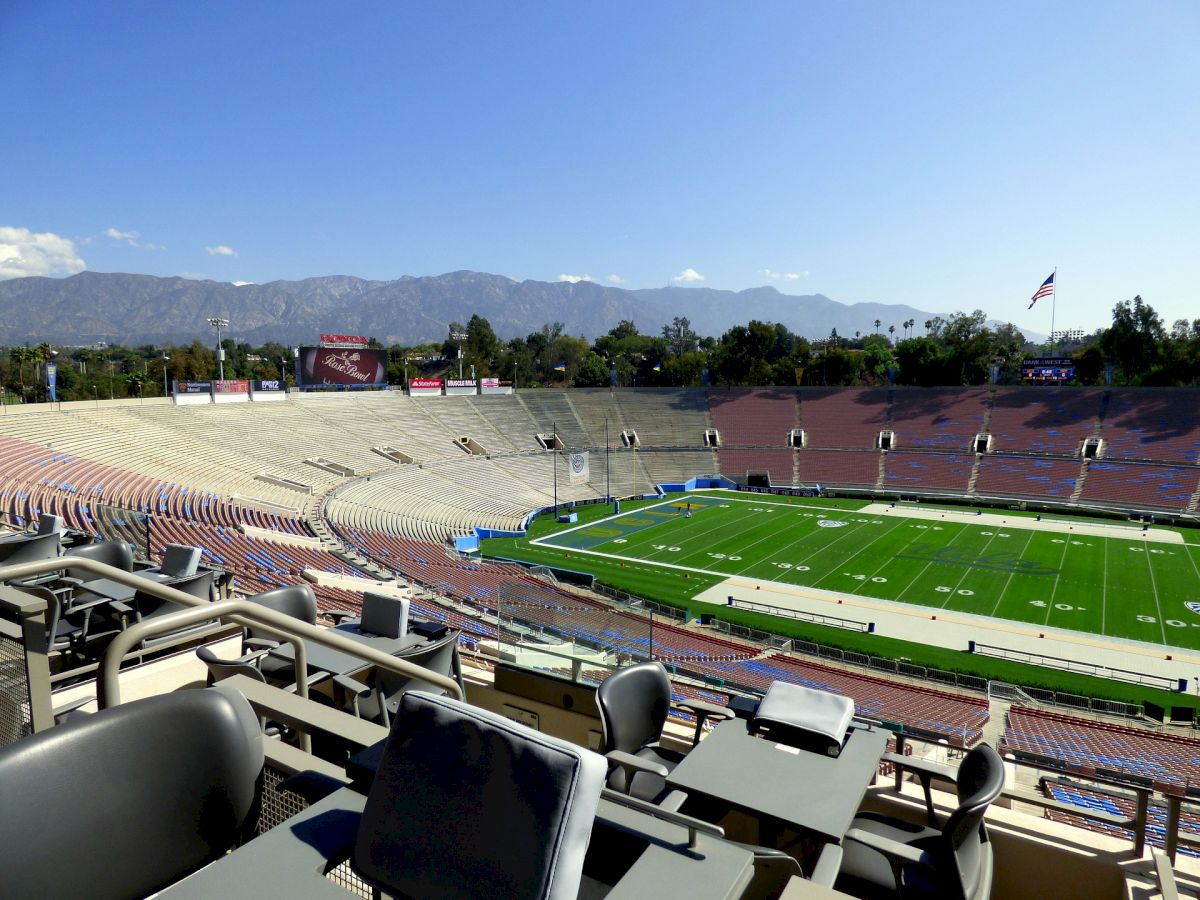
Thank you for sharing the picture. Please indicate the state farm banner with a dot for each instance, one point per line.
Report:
(424, 387)
(495, 386)
(344, 340)
(455, 386)
(351, 367)
(232, 386)
(193, 387)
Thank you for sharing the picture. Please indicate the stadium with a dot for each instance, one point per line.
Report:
(1012, 565)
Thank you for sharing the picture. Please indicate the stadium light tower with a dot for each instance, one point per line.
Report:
(219, 323)
(459, 336)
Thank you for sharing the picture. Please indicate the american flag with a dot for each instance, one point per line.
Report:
(1046, 290)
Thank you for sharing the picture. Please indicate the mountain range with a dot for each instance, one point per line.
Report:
(147, 309)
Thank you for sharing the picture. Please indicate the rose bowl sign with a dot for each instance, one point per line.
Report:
(352, 366)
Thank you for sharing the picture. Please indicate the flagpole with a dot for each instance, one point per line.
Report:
(1053, 309)
(607, 476)
(554, 461)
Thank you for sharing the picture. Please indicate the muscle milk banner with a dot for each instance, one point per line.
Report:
(459, 387)
(351, 367)
(424, 387)
(578, 463)
(495, 386)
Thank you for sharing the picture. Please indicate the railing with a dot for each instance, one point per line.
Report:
(239, 612)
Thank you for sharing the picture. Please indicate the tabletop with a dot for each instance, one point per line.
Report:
(337, 662)
(806, 790)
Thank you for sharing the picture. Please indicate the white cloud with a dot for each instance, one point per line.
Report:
(688, 274)
(616, 279)
(24, 253)
(129, 237)
(241, 283)
(785, 276)
(221, 250)
(574, 279)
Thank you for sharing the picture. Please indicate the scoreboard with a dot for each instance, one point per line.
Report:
(1048, 370)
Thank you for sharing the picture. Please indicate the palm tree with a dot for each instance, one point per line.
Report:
(892, 332)
(877, 324)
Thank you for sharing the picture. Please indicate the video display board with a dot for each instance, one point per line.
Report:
(353, 367)
(1048, 370)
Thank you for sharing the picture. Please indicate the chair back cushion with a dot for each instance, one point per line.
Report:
(384, 615)
(980, 780)
(32, 549)
(469, 804)
(112, 553)
(295, 600)
(634, 703)
(179, 560)
(124, 802)
(440, 656)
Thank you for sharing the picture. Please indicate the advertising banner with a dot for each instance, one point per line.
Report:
(193, 387)
(52, 380)
(232, 386)
(455, 386)
(495, 386)
(348, 366)
(261, 391)
(578, 463)
(344, 340)
(424, 387)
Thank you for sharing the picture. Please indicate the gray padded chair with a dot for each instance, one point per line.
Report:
(295, 600)
(31, 549)
(634, 703)
(884, 856)
(380, 699)
(469, 804)
(117, 554)
(181, 785)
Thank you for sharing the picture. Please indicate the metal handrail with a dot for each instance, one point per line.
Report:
(240, 612)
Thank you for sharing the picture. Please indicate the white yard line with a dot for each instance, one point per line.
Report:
(1011, 575)
(1154, 590)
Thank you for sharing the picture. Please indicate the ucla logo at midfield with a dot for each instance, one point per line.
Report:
(830, 523)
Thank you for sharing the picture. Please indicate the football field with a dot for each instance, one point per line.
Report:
(1092, 577)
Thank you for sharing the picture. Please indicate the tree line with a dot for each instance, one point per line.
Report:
(963, 349)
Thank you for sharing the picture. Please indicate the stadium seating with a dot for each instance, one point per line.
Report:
(1042, 420)
(1154, 424)
(1140, 484)
(907, 471)
(1028, 476)
(938, 418)
(849, 418)
(1113, 802)
(1163, 758)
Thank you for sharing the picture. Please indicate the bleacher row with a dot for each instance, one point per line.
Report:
(1095, 745)
(1090, 799)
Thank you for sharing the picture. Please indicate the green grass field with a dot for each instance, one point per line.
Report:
(1101, 585)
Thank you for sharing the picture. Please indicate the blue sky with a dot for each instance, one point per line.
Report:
(944, 155)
